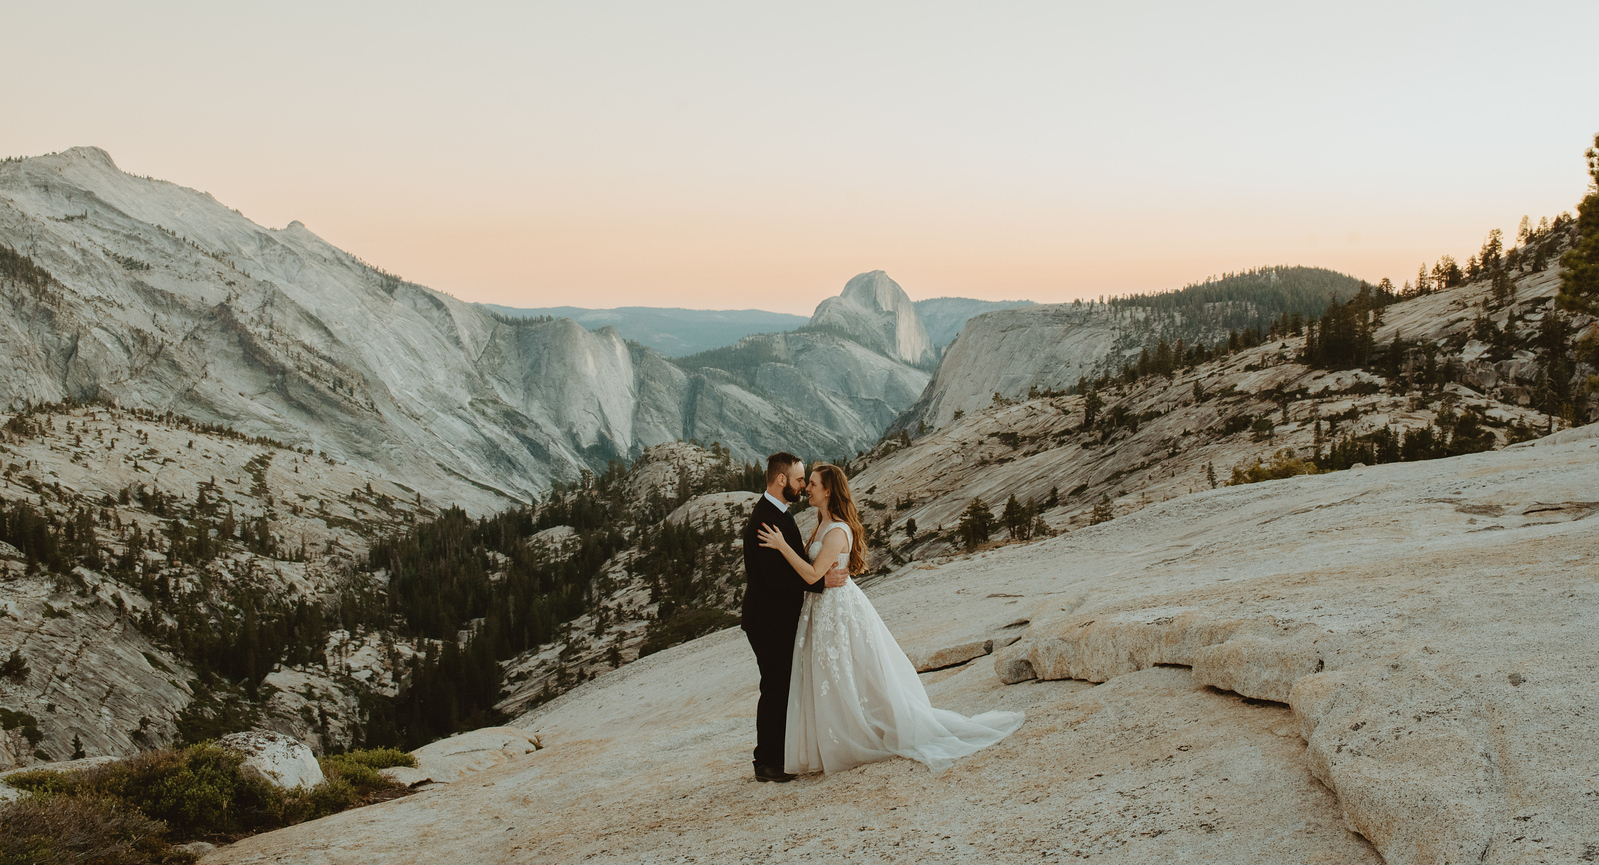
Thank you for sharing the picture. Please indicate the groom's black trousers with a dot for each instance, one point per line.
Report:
(774, 653)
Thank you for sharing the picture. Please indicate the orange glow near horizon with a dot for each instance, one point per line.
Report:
(747, 157)
(790, 261)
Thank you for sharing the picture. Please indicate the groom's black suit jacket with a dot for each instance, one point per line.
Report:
(774, 592)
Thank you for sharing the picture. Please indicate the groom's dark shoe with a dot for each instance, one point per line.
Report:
(767, 773)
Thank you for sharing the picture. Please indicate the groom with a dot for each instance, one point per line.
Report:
(772, 602)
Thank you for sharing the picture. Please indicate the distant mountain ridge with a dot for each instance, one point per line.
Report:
(1048, 347)
(147, 294)
(679, 332)
(672, 331)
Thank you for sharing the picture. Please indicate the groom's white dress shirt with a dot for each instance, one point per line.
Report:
(782, 506)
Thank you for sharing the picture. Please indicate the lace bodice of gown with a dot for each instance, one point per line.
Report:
(854, 697)
(821, 535)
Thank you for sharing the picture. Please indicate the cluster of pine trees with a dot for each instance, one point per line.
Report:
(1239, 301)
(454, 574)
(19, 271)
(218, 612)
(978, 524)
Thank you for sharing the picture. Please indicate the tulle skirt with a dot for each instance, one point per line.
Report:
(854, 697)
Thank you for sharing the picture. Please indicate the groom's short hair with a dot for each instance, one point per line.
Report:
(779, 464)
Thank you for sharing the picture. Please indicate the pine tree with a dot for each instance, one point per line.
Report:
(1446, 273)
(1092, 403)
(1579, 284)
(977, 524)
(1104, 512)
(15, 667)
(1018, 518)
(1040, 528)
(1504, 288)
(1491, 257)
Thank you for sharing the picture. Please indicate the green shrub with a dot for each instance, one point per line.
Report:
(1283, 465)
(29, 725)
(57, 830)
(45, 782)
(375, 758)
(333, 795)
(199, 792)
(362, 777)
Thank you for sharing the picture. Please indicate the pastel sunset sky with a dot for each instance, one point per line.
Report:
(749, 155)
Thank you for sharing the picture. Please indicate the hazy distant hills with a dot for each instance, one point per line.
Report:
(677, 332)
(945, 316)
(671, 331)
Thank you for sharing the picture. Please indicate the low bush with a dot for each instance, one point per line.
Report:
(375, 758)
(352, 778)
(58, 830)
(1283, 465)
(132, 810)
(201, 791)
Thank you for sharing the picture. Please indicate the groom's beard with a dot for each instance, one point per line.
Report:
(791, 495)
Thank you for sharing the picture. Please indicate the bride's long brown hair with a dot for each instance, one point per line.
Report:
(841, 506)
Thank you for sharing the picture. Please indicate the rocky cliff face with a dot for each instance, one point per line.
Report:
(814, 393)
(1012, 351)
(1160, 438)
(875, 312)
(945, 316)
(671, 331)
(100, 642)
(156, 296)
(1016, 348)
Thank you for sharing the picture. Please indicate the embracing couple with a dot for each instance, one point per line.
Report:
(836, 690)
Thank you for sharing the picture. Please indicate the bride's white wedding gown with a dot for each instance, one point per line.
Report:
(854, 697)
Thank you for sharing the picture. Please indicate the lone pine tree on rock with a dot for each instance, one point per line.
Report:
(1579, 284)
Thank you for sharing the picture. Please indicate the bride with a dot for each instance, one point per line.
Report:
(853, 695)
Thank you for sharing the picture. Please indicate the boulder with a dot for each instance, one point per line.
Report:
(949, 656)
(448, 760)
(409, 776)
(562, 540)
(284, 761)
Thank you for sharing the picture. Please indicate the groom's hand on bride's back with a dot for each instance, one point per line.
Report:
(835, 578)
